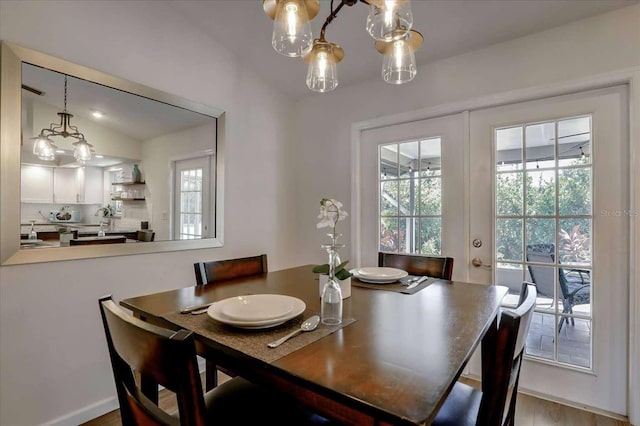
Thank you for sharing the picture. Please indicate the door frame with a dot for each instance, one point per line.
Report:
(630, 77)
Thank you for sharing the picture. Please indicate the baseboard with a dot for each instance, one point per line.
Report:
(85, 414)
(562, 401)
(98, 409)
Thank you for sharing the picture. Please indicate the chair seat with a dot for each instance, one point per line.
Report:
(461, 407)
(228, 405)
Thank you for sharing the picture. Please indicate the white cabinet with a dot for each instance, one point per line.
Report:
(89, 185)
(65, 185)
(61, 185)
(36, 184)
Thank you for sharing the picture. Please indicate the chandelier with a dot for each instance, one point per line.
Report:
(44, 148)
(389, 22)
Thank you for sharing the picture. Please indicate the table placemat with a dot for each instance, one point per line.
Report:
(254, 342)
(398, 287)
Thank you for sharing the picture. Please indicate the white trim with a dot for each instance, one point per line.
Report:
(630, 76)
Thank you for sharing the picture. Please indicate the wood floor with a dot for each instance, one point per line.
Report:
(530, 411)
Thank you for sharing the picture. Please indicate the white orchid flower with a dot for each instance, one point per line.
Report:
(330, 212)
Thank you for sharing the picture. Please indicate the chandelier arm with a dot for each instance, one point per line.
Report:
(334, 14)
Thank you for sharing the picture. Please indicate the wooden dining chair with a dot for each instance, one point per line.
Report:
(219, 270)
(168, 358)
(437, 267)
(145, 235)
(502, 352)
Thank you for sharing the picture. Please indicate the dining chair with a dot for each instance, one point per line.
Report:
(168, 358)
(219, 270)
(145, 235)
(502, 352)
(437, 267)
(572, 291)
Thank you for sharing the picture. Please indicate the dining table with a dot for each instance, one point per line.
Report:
(392, 361)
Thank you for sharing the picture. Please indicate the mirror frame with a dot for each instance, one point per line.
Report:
(11, 58)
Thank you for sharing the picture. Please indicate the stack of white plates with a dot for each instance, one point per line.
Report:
(382, 275)
(256, 310)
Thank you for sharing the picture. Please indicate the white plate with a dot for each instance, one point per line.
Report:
(215, 312)
(381, 275)
(257, 307)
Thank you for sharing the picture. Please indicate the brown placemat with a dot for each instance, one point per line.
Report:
(398, 287)
(254, 342)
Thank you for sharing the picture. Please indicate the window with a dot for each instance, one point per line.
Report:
(543, 230)
(191, 203)
(410, 201)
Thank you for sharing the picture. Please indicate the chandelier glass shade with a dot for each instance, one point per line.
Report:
(399, 64)
(322, 75)
(292, 29)
(389, 22)
(44, 148)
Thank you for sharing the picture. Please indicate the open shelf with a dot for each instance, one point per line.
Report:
(128, 183)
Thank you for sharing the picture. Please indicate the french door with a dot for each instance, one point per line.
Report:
(537, 189)
(549, 197)
(192, 198)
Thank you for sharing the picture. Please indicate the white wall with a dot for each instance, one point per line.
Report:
(53, 359)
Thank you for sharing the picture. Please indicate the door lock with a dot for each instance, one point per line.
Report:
(477, 243)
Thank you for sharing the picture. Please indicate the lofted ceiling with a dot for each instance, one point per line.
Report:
(449, 27)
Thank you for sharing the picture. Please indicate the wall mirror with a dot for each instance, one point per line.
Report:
(94, 165)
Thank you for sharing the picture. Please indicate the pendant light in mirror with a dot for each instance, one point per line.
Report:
(44, 148)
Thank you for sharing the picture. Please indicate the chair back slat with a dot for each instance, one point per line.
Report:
(218, 270)
(165, 357)
(433, 266)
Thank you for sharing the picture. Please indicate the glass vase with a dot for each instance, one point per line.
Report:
(331, 310)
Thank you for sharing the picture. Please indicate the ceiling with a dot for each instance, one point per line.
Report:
(449, 27)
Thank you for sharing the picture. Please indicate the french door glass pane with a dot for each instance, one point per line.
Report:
(509, 239)
(574, 191)
(430, 157)
(389, 162)
(574, 141)
(389, 198)
(541, 336)
(574, 343)
(574, 241)
(430, 196)
(388, 234)
(430, 236)
(408, 159)
(509, 194)
(407, 195)
(540, 145)
(541, 193)
(540, 231)
(509, 149)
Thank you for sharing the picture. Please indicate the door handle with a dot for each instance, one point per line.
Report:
(478, 263)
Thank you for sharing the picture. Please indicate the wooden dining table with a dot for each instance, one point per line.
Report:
(394, 364)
